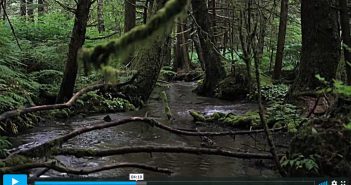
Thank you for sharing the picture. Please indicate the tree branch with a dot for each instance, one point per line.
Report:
(158, 149)
(68, 104)
(52, 165)
(44, 148)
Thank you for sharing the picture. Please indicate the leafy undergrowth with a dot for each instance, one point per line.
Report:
(94, 103)
(32, 76)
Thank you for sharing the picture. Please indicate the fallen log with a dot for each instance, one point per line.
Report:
(79, 153)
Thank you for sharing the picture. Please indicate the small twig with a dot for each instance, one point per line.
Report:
(103, 37)
(314, 107)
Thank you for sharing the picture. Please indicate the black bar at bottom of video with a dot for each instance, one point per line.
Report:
(302, 181)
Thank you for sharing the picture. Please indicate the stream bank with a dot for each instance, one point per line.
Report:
(181, 100)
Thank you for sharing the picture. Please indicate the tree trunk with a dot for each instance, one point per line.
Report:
(281, 39)
(199, 51)
(215, 71)
(129, 15)
(41, 7)
(145, 11)
(30, 10)
(100, 18)
(129, 21)
(181, 59)
(320, 44)
(77, 41)
(212, 18)
(23, 8)
(4, 10)
(346, 37)
(149, 64)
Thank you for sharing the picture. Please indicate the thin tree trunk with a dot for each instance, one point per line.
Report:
(41, 7)
(23, 7)
(129, 15)
(4, 6)
(181, 59)
(100, 18)
(346, 37)
(129, 21)
(281, 39)
(0, 9)
(77, 41)
(199, 51)
(145, 11)
(215, 71)
(30, 10)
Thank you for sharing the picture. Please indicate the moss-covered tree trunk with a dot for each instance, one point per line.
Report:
(320, 44)
(214, 70)
(77, 41)
(149, 64)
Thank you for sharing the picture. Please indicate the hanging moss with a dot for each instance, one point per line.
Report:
(167, 109)
(99, 55)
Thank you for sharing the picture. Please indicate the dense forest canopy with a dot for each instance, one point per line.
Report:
(60, 60)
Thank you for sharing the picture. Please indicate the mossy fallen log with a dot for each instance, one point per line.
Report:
(250, 119)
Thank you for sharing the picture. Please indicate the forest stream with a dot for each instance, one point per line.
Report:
(181, 100)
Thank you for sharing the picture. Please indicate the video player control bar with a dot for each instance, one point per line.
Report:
(87, 183)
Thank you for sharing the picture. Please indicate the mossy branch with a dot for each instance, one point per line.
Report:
(99, 55)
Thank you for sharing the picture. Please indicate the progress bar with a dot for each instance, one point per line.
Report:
(87, 183)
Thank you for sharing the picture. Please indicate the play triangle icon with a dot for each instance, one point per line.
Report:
(14, 181)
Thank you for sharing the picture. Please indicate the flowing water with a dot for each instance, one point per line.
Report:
(181, 100)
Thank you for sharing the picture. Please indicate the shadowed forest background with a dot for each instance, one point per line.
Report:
(175, 87)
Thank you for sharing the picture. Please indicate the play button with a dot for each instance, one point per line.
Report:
(15, 179)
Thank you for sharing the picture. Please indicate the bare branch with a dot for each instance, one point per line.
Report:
(158, 149)
(52, 165)
(42, 149)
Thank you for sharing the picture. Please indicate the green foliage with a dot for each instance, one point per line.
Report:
(272, 93)
(97, 103)
(250, 119)
(4, 144)
(167, 73)
(300, 162)
(342, 89)
(51, 26)
(288, 115)
(292, 56)
(348, 127)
